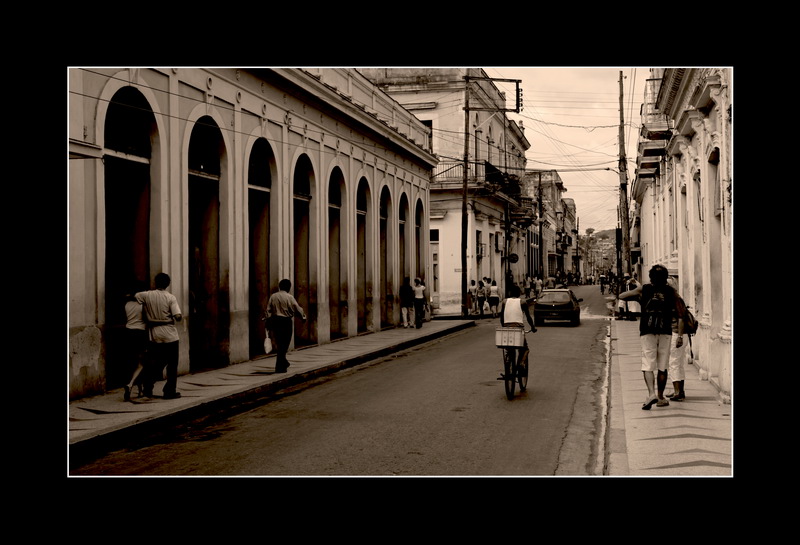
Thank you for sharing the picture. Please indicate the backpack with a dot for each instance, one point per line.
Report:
(657, 310)
(689, 323)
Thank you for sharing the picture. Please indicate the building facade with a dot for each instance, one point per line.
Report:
(229, 180)
(682, 204)
(555, 242)
(469, 127)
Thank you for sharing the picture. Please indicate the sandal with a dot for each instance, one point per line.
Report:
(662, 403)
(649, 403)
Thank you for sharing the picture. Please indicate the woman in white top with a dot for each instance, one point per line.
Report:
(136, 340)
(420, 303)
(512, 314)
(494, 298)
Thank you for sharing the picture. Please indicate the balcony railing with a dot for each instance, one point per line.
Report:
(655, 125)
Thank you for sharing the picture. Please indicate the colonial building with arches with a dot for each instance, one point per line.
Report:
(229, 180)
(682, 203)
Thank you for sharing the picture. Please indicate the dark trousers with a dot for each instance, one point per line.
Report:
(283, 328)
(159, 356)
(419, 312)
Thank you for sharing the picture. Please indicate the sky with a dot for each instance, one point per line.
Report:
(571, 117)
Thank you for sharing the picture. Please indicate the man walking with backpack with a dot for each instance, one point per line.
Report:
(659, 302)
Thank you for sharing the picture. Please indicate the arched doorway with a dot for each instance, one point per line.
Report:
(387, 293)
(337, 286)
(262, 283)
(303, 284)
(405, 268)
(418, 240)
(129, 130)
(207, 308)
(363, 239)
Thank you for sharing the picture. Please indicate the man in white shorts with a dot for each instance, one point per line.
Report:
(659, 302)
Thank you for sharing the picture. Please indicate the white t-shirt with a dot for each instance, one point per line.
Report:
(160, 305)
(133, 312)
(513, 312)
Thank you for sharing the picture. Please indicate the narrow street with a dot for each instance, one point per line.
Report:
(437, 409)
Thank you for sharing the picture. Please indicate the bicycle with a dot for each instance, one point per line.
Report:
(510, 340)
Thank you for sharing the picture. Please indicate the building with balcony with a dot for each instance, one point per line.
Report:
(682, 204)
(556, 226)
(466, 113)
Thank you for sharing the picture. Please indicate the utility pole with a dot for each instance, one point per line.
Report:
(464, 217)
(541, 220)
(623, 189)
(577, 246)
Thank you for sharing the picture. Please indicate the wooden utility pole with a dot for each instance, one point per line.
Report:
(541, 221)
(623, 189)
(464, 217)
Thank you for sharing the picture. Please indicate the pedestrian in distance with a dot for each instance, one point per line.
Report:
(512, 312)
(480, 293)
(426, 296)
(494, 298)
(659, 304)
(135, 341)
(406, 302)
(473, 293)
(677, 351)
(160, 312)
(420, 303)
(634, 308)
(281, 310)
(622, 305)
(539, 285)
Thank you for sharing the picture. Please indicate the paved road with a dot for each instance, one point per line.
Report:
(437, 409)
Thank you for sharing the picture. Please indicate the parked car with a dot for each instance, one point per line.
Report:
(557, 304)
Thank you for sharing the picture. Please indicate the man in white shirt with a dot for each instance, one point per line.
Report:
(282, 307)
(160, 311)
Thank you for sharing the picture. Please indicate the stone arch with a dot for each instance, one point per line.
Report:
(208, 312)
(337, 252)
(262, 172)
(385, 257)
(130, 133)
(404, 235)
(419, 239)
(304, 282)
(364, 236)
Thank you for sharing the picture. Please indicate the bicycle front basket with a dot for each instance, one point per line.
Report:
(509, 337)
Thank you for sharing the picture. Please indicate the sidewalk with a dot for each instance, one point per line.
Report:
(100, 422)
(689, 438)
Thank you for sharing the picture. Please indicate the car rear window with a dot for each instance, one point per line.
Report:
(559, 297)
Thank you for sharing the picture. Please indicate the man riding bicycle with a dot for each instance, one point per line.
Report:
(511, 315)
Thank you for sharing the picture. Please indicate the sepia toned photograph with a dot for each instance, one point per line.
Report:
(400, 272)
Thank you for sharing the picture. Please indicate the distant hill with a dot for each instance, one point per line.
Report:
(608, 233)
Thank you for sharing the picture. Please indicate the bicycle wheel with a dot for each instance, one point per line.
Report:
(509, 357)
(522, 373)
